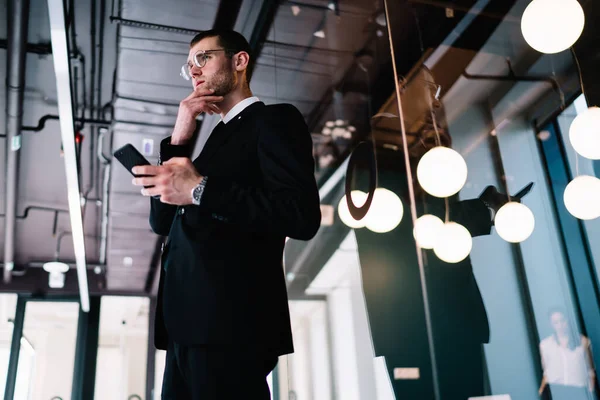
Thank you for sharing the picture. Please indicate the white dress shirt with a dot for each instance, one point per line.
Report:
(238, 108)
(565, 366)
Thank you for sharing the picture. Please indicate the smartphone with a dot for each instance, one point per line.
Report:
(130, 157)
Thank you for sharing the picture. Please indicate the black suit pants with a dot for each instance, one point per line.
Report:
(216, 373)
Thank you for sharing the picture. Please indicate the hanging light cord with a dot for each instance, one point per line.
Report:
(439, 143)
(578, 69)
(413, 209)
(580, 76)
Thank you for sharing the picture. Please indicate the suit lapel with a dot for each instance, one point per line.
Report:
(221, 133)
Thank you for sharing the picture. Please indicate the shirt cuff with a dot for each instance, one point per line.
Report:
(168, 150)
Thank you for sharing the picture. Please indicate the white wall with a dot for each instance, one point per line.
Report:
(511, 368)
(46, 368)
(333, 339)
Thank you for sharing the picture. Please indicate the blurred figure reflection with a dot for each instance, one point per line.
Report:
(567, 362)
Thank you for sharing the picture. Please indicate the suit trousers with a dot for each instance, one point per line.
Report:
(213, 372)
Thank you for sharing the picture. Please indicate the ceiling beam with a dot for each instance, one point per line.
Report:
(62, 71)
(451, 65)
(263, 25)
(227, 14)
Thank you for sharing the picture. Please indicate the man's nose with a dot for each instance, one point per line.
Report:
(196, 71)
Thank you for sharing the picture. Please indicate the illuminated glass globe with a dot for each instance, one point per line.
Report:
(427, 228)
(385, 213)
(454, 243)
(442, 172)
(514, 222)
(358, 198)
(551, 26)
(582, 197)
(584, 133)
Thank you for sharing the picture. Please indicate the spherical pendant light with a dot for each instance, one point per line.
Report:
(385, 213)
(514, 222)
(359, 198)
(584, 133)
(442, 172)
(582, 197)
(427, 228)
(551, 26)
(453, 244)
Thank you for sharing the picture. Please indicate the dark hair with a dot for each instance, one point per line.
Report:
(574, 338)
(231, 40)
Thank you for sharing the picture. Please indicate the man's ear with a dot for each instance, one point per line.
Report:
(241, 61)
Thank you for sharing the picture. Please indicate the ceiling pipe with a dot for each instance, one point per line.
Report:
(90, 121)
(18, 24)
(41, 49)
(152, 26)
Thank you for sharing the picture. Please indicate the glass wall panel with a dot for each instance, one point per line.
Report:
(47, 356)
(8, 303)
(510, 307)
(469, 277)
(123, 347)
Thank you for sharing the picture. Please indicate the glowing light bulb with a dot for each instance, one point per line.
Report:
(358, 198)
(514, 222)
(385, 213)
(582, 197)
(442, 172)
(427, 228)
(584, 133)
(551, 26)
(453, 244)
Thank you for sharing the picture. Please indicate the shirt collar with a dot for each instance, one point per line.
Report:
(238, 108)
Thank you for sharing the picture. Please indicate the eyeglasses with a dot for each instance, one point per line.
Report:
(199, 60)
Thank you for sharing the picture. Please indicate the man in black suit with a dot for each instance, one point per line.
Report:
(222, 311)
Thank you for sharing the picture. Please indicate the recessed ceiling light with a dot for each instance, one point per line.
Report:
(295, 10)
(319, 34)
(127, 261)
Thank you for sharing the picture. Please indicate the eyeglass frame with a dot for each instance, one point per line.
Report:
(186, 69)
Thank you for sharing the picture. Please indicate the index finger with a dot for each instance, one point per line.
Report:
(146, 170)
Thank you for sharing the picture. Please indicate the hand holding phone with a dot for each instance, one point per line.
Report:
(130, 157)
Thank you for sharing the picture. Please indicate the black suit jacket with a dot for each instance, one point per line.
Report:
(222, 281)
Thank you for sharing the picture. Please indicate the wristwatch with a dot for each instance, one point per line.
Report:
(198, 190)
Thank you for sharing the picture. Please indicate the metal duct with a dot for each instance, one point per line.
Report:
(18, 21)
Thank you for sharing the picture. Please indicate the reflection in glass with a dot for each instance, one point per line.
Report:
(122, 348)
(47, 350)
(567, 361)
(8, 303)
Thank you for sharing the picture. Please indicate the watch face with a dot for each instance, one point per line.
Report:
(196, 193)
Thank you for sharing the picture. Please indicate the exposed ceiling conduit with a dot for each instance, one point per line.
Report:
(18, 24)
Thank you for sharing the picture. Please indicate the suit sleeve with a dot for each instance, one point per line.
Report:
(287, 203)
(161, 214)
